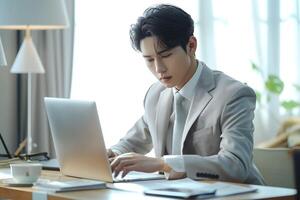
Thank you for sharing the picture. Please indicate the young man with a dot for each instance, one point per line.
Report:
(198, 121)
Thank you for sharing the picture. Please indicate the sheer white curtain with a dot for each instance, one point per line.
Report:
(231, 34)
(264, 32)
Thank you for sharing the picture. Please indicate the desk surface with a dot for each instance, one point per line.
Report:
(263, 192)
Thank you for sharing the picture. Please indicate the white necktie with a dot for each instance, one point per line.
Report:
(180, 117)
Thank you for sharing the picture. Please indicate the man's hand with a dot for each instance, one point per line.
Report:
(135, 162)
(110, 153)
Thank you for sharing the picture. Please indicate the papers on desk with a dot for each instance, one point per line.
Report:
(183, 188)
(180, 190)
(5, 173)
(68, 185)
(228, 189)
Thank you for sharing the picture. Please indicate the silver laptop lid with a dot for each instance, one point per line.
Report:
(77, 137)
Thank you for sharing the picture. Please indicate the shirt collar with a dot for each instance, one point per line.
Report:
(188, 90)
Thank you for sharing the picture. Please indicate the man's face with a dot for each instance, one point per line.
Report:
(172, 67)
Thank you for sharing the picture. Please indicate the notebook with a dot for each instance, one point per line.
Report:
(68, 185)
(79, 143)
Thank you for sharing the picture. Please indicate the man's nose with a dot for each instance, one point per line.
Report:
(160, 67)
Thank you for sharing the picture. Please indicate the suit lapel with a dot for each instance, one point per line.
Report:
(201, 99)
(164, 109)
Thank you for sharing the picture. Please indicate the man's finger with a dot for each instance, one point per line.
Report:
(117, 160)
(111, 159)
(124, 163)
(128, 169)
(110, 153)
(125, 172)
(114, 163)
(116, 173)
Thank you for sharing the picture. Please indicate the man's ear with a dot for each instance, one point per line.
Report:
(192, 45)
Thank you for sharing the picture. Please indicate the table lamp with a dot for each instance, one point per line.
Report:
(31, 15)
(2, 55)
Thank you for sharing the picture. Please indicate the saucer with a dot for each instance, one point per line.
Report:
(12, 182)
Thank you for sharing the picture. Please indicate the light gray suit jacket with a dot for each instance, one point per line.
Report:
(217, 139)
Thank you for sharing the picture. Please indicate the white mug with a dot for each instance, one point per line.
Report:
(25, 172)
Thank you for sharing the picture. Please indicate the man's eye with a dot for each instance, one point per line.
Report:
(166, 55)
(150, 60)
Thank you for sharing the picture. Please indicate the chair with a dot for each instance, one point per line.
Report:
(276, 166)
(297, 171)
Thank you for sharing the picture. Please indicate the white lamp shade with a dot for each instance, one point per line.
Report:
(27, 60)
(33, 14)
(2, 55)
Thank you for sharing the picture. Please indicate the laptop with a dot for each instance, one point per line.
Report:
(79, 143)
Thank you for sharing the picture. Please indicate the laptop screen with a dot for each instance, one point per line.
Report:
(78, 139)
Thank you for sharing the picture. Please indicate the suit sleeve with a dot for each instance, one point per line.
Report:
(137, 139)
(234, 160)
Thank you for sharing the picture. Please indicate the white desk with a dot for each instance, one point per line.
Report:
(263, 192)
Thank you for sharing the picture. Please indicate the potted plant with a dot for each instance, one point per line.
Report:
(288, 134)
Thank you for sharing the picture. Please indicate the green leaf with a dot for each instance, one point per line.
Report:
(255, 67)
(274, 84)
(258, 96)
(290, 104)
(297, 87)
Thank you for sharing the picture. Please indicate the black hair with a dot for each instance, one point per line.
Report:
(171, 25)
